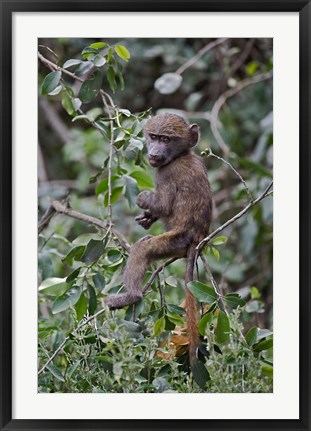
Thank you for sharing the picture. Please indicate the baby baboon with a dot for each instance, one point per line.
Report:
(182, 200)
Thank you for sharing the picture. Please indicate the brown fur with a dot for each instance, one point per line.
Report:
(182, 199)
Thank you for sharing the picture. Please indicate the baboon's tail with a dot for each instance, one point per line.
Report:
(191, 307)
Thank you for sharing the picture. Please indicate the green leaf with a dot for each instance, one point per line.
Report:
(159, 326)
(98, 45)
(267, 371)
(202, 292)
(234, 300)
(136, 143)
(87, 51)
(75, 253)
(115, 194)
(56, 372)
(255, 294)
(99, 281)
(109, 54)
(143, 179)
(71, 62)
(76, 102)
(114, 255)
(90, 88)
(93, 300)
(171, 281)
(85, 238)
(251, 68)
(72, 276)
(263, 345)
(131, 190)
(263, 333)
(67, 104)
(111, 79)
(80, 117)
(94, 250)
(175, 318)
(53, 286)
(66, 300)
(205, 321)
(222, 331)
(99, 60)
(122, 52)
(57, 90)
(251, 336)
(72, 369)
(216, 253)
(50, 82)
(175, 309)
(121, 80)
(81, 306)
(219, 240)
(84, 68)
(200, 374)
(102, 187)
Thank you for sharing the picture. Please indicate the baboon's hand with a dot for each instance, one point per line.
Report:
(146, 219)
(143, 199)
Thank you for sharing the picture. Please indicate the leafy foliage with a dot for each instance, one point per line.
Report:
(97, 153)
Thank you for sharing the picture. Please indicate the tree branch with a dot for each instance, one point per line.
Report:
(199, 54)
(211, 154)
(222, 99)
(156, 272)
(61, 209)
(233, 219)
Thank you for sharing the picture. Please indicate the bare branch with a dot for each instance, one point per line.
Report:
(60, 208)
(199, 54)
(211, 154)
(242, 57)
(110, 160)
(222, 99)
(157, 271)
(214, 284)
(233, 219)
(46, 218)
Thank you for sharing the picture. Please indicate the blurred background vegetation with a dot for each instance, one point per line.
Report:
(227, 90)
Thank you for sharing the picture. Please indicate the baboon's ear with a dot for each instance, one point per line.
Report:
(194, 130)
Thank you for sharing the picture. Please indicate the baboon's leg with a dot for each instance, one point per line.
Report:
(169, 244)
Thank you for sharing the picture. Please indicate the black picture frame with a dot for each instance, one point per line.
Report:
(7, 10)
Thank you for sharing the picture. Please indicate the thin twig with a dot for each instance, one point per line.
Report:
(242, 57)
(46, 218)
(211, 154)
(110, 160)
(199, 54)
(222, 99)
(60, 208)
(156, 272)
(233, 219)
(216, 288)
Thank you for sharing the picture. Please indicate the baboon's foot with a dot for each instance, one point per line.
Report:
(122, 300)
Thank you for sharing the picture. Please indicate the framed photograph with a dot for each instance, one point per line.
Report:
(190, 121)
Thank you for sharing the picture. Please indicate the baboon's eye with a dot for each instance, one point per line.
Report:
(165, 139)
(153, 137)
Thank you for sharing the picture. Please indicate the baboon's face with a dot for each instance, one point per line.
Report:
(160, 149)
(168, 136)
